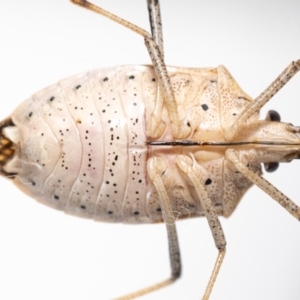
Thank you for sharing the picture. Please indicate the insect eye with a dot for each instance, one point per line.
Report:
(271, 167)
(273, 115)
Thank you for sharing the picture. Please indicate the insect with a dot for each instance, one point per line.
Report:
(295, 122)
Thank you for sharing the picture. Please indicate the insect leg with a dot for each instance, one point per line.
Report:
(266, 186)
(263, 98)
(156, 127)
(156, 166)
(179, 130)
(199, 179)
(156, 24)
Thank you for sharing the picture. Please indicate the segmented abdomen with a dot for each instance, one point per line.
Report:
(83, 147)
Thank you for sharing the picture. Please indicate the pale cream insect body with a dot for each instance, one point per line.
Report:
(64, 132)
(149, 143)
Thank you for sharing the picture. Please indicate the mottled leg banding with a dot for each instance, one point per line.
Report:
(156, 24)
(156, 166)
(156, 127)
(198, 178)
